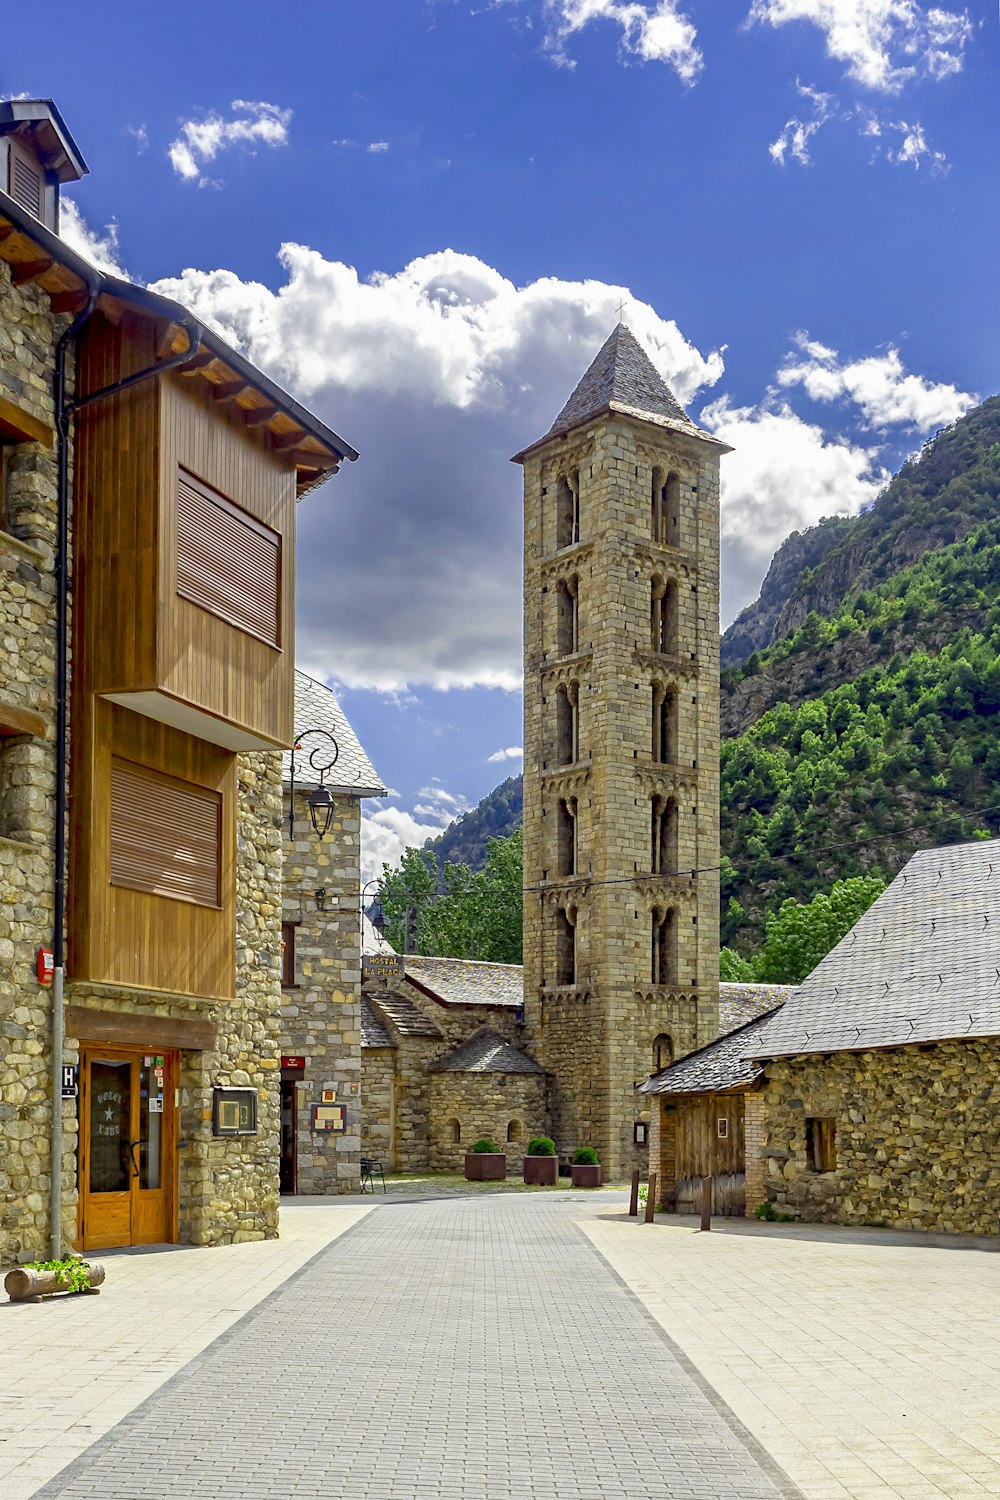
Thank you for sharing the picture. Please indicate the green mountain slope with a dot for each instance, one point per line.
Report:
(498, 815)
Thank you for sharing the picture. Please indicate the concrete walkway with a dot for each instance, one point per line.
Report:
(73, 1367)
(473, 1349)
(866, 1362)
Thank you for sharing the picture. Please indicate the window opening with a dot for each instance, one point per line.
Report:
(821, 1144)
(566, 945)
(663, 1051)
(566, 823)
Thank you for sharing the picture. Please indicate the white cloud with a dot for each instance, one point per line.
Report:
(386, 834)
(100, 249)
(437, 373)
(883, 43)
(375, 147)
(253, 123)
(512, 752)
(793, 142)
(785, 474)
(651, 32)
(139, 134)
(914, 149)
(797, 133)
(878, 385)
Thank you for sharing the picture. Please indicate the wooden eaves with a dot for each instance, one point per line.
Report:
(36, 255)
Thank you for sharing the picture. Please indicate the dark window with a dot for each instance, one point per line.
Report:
(664, 725)
(664, 852)
(567, 603)
(288, 980)
(454, 1132)
(568, 510)
(566, 821)
(664, 947)
(567, 735)
(663, 616)
(514, 1131)
(166, 835)
(566, 945)
(227, 561)
(821, 1144)
(663, 1051)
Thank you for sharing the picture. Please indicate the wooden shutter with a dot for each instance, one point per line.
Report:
(227, 561)
(166, 835)
(25, 181)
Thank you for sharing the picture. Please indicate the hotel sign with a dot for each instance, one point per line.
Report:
(382, 966)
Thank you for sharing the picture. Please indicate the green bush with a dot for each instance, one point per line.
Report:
(541, 1145)
(585, 1156)
(485, 1147)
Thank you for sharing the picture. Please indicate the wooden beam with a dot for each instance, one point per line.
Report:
(255, 415)
(21, 426)
(164, 344)
(14, 720)
(140, 1029)
(6, 230)
(198, 362)
(23, 271)
(68, 302)
(283, 440)
(228, 390)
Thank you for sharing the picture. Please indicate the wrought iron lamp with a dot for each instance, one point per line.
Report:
(322, 758)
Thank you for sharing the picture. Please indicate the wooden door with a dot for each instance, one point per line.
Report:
(128, 1147)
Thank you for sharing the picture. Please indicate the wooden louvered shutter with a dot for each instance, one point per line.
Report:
(25, 181)
(227, 561)
(166, 835)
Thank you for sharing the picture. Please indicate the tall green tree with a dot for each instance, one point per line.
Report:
(457, 912)
(801, 933)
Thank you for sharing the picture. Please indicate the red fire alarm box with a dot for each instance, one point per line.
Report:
(46, 966)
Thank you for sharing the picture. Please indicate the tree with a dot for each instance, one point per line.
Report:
(800, 934)
(458, 912)
(406, 894)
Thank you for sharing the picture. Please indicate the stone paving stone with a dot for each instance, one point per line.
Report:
(472, 1350)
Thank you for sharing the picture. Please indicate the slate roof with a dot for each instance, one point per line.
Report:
(622, 378)
(723, 1064)
(316, 707)
(407, 1017)
(373, 1029)
(466, 981)
(485, 1052)
(922, 964)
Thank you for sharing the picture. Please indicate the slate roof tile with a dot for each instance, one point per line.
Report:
(373, 1029)
(485, 1052)
(316, 707)
(723, 1064)
(465, 981)
(403, 1013)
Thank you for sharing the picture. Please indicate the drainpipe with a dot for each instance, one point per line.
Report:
(65, 408)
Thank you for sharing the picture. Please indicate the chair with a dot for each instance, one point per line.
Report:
(370, 1169)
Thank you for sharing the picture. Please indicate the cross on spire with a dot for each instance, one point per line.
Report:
(621, 310)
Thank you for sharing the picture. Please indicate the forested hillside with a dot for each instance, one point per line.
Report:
(866, 722)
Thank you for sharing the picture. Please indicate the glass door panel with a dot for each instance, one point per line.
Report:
(110, 1125)
(151, 1097)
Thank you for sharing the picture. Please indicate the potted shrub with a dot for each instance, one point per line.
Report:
(485, 1163)
(586, 1168)
(541, 1164)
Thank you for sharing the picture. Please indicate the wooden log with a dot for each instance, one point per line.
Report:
(633, 1202)
(706, 1202)
(651, 1198)
(28, 1284)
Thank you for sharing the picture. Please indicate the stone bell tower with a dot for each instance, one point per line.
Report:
(621, 747)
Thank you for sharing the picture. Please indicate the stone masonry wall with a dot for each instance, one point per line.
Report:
(378, 1065)
(596, 1035)
(485, 1105)
(321, 1017)
(917, 1144)
(27, 785)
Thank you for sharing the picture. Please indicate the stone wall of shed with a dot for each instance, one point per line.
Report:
(378, 1067)
(485, 1105)
(917, 1136)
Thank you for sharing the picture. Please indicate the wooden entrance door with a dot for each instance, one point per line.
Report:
(128, 1157)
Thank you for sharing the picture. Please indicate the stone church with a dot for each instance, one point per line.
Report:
(621, 747)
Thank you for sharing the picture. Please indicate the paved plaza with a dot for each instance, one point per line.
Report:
(513, 1345)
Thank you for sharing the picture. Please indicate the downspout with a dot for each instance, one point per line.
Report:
(65, 409)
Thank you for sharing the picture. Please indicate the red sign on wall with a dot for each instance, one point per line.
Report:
(293, 1062)
(46, 966)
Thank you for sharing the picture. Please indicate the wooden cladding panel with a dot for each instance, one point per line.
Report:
(700, 1150)
(204, 659)
(140, 1029)
(227, 561)
(165, 835)
(119, 935)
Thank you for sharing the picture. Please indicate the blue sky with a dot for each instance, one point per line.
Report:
(421, 215)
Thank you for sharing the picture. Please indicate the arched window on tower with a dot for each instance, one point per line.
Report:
(664, 853)
(567, 724)
(568, 510)
(663, 1051)
(663, 615)
(568, 616)
(566, 945)
(664, 744)
(671, 508)
(664, 947)
(566, 824)
(656, 506)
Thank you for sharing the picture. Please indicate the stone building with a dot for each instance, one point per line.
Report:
(874, 1090)
(443, 1065)
(621, 746)
(149, 484)
(321, 948)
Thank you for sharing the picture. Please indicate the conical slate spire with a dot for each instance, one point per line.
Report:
(622, 375)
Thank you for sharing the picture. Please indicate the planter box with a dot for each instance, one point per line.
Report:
(27, 1285)
(586, 1176)
(485, 1166)
(541, 1171)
